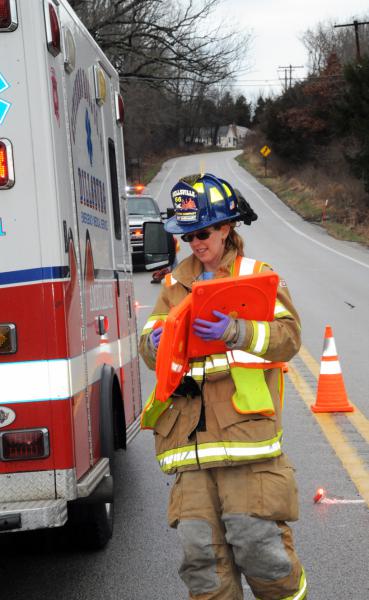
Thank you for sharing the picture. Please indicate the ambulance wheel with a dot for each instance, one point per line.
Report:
(91, 524)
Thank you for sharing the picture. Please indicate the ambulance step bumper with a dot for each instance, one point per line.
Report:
(24, 516)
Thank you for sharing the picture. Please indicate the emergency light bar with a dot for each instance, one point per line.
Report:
(52, 29)
(6, 164)
(8, 15)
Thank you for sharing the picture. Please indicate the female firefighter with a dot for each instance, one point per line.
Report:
(221, 430)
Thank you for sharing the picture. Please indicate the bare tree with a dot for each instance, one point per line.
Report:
(324, 40)
(160, 41)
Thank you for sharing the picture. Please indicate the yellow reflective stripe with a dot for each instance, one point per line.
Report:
(216, 362)
(280, 310)
(260, 337)
(215, 195)
(219, 451)
(301, 592)
(242, 357)
(227, 189)
(199, 187)
(151, 322)
(179, 457)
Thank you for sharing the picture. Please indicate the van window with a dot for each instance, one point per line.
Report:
(114, 190)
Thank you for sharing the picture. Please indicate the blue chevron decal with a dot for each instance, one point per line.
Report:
(4, 105)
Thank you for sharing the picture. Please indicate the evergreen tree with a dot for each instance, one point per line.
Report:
(242, 112)
(353, 118)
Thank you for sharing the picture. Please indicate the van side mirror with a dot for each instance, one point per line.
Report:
(156, 249)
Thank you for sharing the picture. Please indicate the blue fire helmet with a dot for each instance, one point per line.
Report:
(200, 201)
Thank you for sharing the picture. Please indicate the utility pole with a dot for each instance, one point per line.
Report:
(356, 25)
(289, 68)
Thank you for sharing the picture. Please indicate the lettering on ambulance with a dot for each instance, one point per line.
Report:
(92, 195)
(101, 296)
(2, 232)
(92, 191)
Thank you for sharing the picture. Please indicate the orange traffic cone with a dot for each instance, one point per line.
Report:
(331, 393)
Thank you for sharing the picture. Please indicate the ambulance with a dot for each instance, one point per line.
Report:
(69, 371)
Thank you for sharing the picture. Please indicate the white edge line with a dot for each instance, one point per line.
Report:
(358, 262)
(164, 181)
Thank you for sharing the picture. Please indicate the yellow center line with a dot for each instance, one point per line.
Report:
(348, 456)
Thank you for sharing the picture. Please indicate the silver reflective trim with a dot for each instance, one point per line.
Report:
(329, 347)
(36, 515)
(90, 481)
(213, 363)
(261, 335)
(197, 370)
(225, 452)
(178, 457)
(247, 266)
(149, 324)
(240, 356)
(279, 308)
(220, 452)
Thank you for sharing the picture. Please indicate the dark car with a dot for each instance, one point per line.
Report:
(140, 209)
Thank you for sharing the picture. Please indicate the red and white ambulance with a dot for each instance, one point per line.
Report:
(69, 372)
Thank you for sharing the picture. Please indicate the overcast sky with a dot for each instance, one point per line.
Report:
(276, 26)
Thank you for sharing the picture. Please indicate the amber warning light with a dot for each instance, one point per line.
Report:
(6, 164)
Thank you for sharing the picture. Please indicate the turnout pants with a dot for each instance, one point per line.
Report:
(231, 521)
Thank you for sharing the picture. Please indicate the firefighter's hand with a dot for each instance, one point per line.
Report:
(155, 337)
(208, 330)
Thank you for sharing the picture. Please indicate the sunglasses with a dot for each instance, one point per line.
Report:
(200, 235)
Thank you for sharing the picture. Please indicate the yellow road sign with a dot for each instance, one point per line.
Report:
(265, 151)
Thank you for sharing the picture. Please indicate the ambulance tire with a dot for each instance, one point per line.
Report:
(94, 521)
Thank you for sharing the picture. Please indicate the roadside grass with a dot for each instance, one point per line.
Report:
(309, 201)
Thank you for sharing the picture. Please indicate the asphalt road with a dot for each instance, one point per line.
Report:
(329, 282)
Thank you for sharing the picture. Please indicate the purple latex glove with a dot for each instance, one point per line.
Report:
(208, 330)
(155, 336)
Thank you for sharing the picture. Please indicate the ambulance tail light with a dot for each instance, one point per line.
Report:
(6, 164)
(8, 15)
(52, 29)
(8, 338)
(119, 108)
(28, 444)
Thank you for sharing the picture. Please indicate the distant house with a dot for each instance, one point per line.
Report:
(231, 136)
